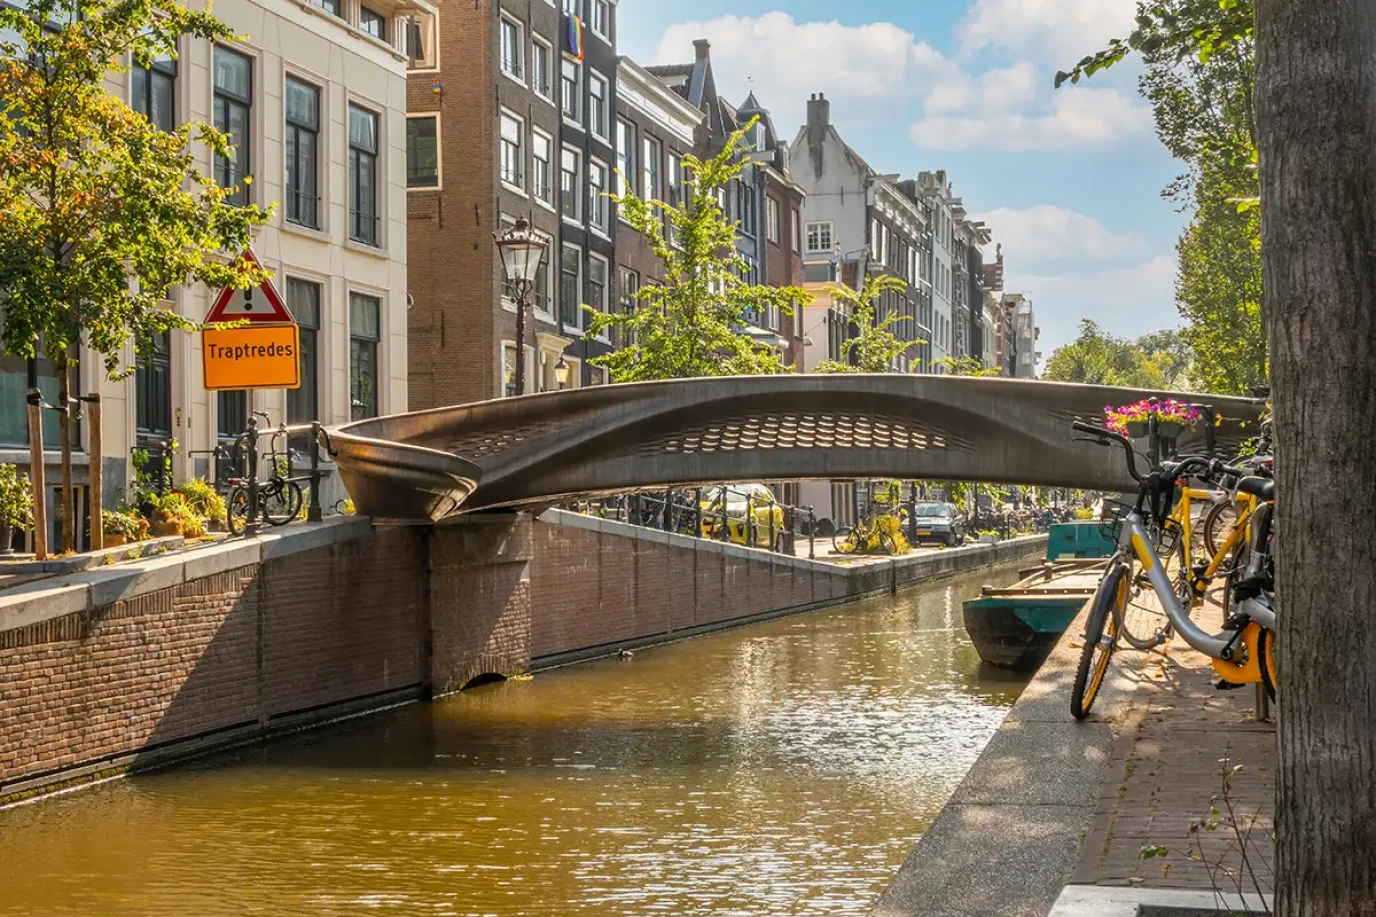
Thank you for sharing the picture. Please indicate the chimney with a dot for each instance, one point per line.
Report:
(818, 121)
(703, 47)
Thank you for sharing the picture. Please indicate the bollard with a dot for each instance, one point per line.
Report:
(97, 492)
(251, 524)
(811, 534)
(697, 512)
(315, 513)
(750, 520)
(772, 534)
(36, 472)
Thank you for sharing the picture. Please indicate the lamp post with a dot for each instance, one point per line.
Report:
(522, 253)
(561, 372)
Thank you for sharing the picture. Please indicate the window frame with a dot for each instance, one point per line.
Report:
(797, 230)
(376, 347)
(605, 31)
(576, 286)
(575, 194)
(627, 157)
(518, 48)
(292, 127)
(771, 219)
(830, 230)
(147, 366)
(598, 202)
(380, 20)
(243, 147)
(547, 199)
(542, 49)
(574, 117)
(519, 185)
(168, 69)
(602, 306)
(439, 151)
(309, 376)
(355, 162)
(601, 104)
(651, 152)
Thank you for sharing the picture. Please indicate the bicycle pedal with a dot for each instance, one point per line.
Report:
(1226, 685)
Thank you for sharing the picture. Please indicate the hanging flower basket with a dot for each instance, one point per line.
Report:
(1172, 418)
(1137, 429)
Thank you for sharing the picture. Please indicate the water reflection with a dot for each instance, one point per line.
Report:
(785, 768)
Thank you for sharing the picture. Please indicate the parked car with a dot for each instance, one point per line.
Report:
(765, 507)
(939, 523)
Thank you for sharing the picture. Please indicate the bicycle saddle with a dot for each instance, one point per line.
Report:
(1261, 488)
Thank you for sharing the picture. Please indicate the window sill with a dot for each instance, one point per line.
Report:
(573, 123)
(434, 187)
(547, 99)
(518, 80)
(514, 189)
(600, 233)
(545, 204)
(573, 221)
(19, 455)
(307, 232)
(366, 248)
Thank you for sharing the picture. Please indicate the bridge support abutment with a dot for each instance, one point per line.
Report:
(479, 599)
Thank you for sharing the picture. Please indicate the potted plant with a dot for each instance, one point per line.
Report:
(989, 536)
(171, 514)
(16, 506)
(205, 502)
(122, 526)
(1134, 420)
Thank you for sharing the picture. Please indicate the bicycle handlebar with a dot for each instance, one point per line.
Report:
(1106, 434)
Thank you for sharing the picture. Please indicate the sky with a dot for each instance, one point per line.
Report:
(1068, 180)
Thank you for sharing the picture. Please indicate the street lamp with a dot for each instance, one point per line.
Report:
(522, 253)
(561, 372)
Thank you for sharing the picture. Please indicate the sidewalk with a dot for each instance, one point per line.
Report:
(1165, 773)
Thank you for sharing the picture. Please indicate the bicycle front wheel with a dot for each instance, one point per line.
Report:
(845, 541)
(236, 511)
(1219, 524)
(888, 543)
(283, 504)
(1140, 619)
(1101, 637)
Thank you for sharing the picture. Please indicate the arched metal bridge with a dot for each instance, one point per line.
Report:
(554, 447)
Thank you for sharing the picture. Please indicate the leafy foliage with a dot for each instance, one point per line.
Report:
(691, 325)
(875, 346)
(100, 211)
(16, 498)
(967, 366)
(1098, 358)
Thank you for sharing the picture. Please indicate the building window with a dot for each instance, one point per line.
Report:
(597, 105)
(17, 376)
(568, 88)
(571, 7)
(570, 285)
(231, 410)
(512, 45)
(745, 203)
(513, 152)
(303, 300)
(597, 281)
(628, 284)
(652, 154)
(233, 103)
(302, 146)
(420, 41)
(372, 22)
(598, 375)
(153, 92)
(362, 175)
(797, 231)
(329, 6)
(771, 211)
(602, 18)
(540, 54)
(153, 390)
(625, 157)
(544, 274)
(570, 194)
(819, 237)
(597, 195)
(542, 147)
(364, 333)
(423, 151)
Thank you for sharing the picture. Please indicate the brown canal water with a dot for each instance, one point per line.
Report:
(784, 768)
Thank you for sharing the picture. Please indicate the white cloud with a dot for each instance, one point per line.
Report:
(1078, 118)
(1048, 233)
(995, 90)
(1129, 301)
(1054, 32)
(785, 61)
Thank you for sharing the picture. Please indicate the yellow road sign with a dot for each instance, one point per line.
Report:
(256, 356)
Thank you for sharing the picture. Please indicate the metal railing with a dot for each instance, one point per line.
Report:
(687, 512)
(244, 456)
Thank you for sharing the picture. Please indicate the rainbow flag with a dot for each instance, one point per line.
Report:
(575, 49)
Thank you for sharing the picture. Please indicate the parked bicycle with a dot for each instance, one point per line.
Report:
(280, 496)
(1243, 652)
(871, 533)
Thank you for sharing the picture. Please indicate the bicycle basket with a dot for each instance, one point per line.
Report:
(1168, 539)
(1111, 521)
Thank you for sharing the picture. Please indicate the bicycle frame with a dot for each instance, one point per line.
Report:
(1134, 541)
(1247, 505)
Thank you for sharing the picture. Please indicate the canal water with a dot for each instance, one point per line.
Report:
(785, 768)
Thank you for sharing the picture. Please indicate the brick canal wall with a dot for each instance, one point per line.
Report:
(125, 667)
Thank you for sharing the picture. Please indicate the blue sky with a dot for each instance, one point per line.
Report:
(1068, 180)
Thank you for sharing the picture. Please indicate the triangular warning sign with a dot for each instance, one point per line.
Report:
(260, 304)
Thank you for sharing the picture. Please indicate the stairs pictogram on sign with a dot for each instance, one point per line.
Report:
(260, 304)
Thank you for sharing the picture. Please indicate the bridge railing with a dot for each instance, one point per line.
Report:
(719, 513)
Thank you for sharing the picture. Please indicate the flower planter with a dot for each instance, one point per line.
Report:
(113, 540)
(162, 528)
(6, 540)
(988, 539)
(1169, 429)
(1138, 429)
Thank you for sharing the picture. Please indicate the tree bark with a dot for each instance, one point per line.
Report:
(1316, 115)
(64, 427)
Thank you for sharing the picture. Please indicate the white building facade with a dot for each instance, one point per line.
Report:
(315, 97)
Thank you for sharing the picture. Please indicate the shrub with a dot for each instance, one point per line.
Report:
(16, 498)
(124, 522)
(204, 500)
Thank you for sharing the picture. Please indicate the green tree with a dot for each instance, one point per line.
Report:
(1097, 358)
(1173, 354)
(875, 346)
(101, 213)
(691, 324)
(966, 366)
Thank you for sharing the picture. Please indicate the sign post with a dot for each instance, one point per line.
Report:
(261, 350)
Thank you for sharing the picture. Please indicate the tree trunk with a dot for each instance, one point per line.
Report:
(64, 421)
(1316, 116)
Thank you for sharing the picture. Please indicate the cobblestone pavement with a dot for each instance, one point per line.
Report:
(1166, 774)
